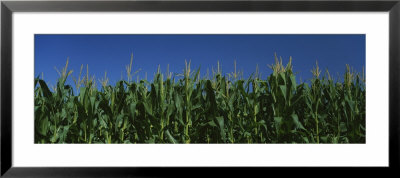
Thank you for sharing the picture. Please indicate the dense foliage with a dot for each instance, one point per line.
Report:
(191, 109)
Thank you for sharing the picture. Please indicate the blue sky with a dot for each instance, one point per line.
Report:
(112, 53)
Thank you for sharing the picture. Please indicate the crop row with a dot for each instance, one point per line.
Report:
(191, 109)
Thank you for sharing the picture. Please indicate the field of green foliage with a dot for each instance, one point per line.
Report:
(187, 108)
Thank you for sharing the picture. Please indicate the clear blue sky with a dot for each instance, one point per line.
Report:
(112, 52)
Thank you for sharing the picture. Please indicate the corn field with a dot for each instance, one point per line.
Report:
(188, 108)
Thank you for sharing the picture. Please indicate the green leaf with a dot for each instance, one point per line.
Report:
(170, 137)
(212, 124)
(324, 139)
(119, 121)
(132, 109)
(297, 122)
(220, 121)
(283, 91)
(45, 89)
(43, 127)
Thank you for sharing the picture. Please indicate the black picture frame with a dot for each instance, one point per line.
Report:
(8, 7)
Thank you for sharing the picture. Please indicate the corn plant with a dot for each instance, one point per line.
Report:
(188, 108)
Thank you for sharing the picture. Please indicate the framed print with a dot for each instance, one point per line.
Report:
(124, 86)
